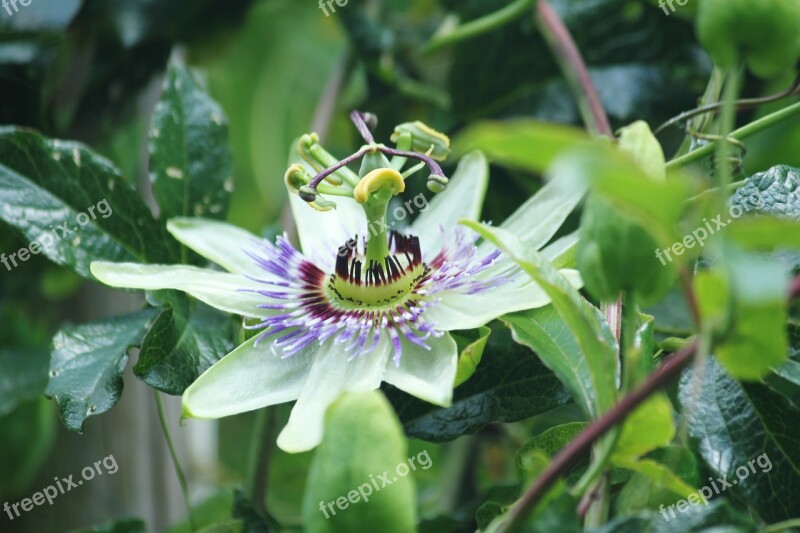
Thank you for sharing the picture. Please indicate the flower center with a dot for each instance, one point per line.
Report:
(361, 282)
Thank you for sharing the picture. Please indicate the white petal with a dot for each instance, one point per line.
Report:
(321, 233)
(331, 375)
(537, 220)
(219, 242)
(426, 374)
(463, 199)
(217, 289)
(468, 311)
(248, 378)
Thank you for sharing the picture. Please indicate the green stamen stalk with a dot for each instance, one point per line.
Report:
(377, 242)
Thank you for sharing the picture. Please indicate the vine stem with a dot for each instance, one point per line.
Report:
(580, 446)
(261, 449)
(479, 26)
(594, 115)
(574, 68)
(782, 526)
(727, 122)
(740, 134)
(744, 103)
(176, 463)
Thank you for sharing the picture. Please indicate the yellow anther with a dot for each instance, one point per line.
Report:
(380, 178)
(424, 139)
(427, 130)
(295, 178)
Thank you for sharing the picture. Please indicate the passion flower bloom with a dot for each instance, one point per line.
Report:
(365, 301)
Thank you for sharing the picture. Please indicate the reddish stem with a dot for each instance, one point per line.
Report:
(580, 446)
(567, 51)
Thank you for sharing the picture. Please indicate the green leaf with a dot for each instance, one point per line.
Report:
(643, 491)
(658, 474)
(638, 141)
(213, 511)
(87, 363)
(786, 377)
(190, 157)
(638, 355)
(648, 427)
(588, 327)
(249, 519)
(766, 234)
(744, 300)
(358, 470)
(773, 192)
(470, 353)
(761, 233)
(185, 340)
(29, 433)
(509, 385)
(626, 222)
(509, 143)
(48, 188)
(543, 331)
(718, 515)
(757, 343)
(549, 442)
(555, 511)
(655, 206)
(23, 376)
(498, 499)
(740, 427)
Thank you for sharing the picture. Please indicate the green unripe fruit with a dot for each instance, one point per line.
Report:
(616, 254)
(762, 33)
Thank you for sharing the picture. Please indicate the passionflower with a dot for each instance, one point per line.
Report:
(366, 301)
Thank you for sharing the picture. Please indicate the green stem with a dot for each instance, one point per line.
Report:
(261, 447)
(744, 103)
(601, 453)
(176, 463)
(740, 134)
(782, 526)
(727, 122)
(377, 243)
(599, 499)
(477, 27)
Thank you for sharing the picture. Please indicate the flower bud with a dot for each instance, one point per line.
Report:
(424, 139)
